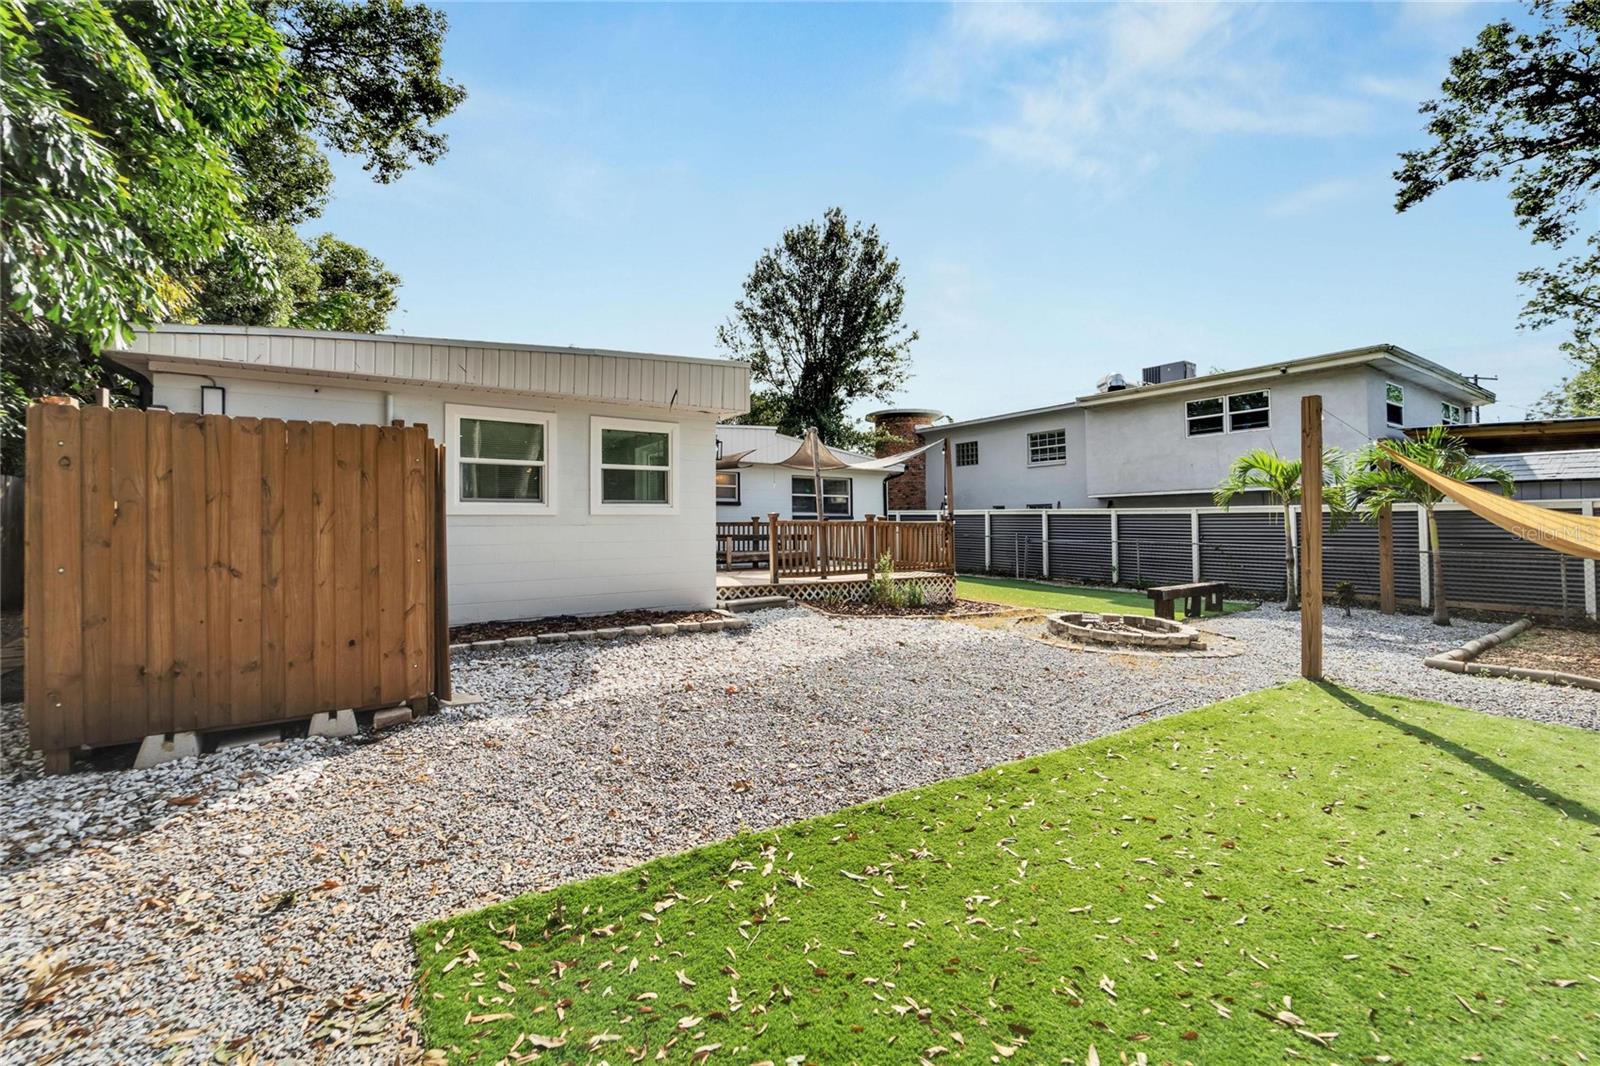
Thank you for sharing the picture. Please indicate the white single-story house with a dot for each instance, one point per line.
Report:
(580, 480)
(755, 477)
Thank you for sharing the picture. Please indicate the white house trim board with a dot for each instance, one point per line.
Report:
(454, 504)
(597, 503)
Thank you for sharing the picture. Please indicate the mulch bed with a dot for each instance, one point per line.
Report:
(566, 623)
(1569, 651)
(959, 609)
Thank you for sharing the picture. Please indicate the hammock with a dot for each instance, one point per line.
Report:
(1559, 531)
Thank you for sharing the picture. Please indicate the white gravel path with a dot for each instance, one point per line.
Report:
(267, 912)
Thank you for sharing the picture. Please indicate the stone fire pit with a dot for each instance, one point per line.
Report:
(1132, 630)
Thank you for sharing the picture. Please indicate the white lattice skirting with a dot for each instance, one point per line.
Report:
(938, 589)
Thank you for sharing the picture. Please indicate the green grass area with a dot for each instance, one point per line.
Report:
(1050, 597)
(1303, 873)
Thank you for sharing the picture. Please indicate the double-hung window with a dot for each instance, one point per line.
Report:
(1394, 404)
(633, 466)
(1248, 410)
(502, 460)
(1228, 414)
(967, 453)
(837, 499)
(1049, 446)
(728, 486)
(1452, 414)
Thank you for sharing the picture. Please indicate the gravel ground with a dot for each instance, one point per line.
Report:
(259, 902)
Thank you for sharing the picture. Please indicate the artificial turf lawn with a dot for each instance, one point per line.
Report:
(1421, 880)
(1063, 597)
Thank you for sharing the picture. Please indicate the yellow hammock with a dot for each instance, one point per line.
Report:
(1560, 531)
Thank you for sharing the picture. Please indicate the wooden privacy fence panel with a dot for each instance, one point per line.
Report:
(190, 572)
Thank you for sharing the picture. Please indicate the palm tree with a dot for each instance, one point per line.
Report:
(1260, 470)
(1374, 483)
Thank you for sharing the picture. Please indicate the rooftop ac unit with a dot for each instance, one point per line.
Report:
(1160, 375)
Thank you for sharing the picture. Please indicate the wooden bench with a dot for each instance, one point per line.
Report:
(1193, 595)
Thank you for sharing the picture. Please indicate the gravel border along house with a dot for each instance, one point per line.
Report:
(259, 901)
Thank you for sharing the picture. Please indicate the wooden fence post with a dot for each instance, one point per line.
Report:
(772, 545)
(1386, 561)
(872, 542)
(1311, 537)
(442, 687)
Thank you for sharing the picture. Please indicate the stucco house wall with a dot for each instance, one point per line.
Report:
(1003, 476)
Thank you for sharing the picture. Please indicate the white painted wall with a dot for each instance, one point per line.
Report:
(519, 566)
(1142, 446)
(765, 488)
(1002, 477)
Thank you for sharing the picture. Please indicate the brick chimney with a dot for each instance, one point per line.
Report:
(908, 491)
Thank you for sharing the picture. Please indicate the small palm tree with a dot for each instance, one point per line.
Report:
(1373, 483)
(1268, 472)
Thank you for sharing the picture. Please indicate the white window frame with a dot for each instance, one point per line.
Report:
(1452, 414)
(960, 444)
(454, 504)
(1387, 385)
(850, 495)
(738, 488)
(1227, 413)
(1189, 419)
(1228, 405)
(1062, 430)
(597, 504)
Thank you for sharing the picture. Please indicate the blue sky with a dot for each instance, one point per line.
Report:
(1070, 190)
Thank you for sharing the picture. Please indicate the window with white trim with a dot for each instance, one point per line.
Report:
(502, 460)
(1394, 404)
(967, 453)
(837, 497)
(728, 486)
(1228, 414)
(633, 466)
(1452, 414)
(1047, 446)
(1205, 416)
(1249, 410)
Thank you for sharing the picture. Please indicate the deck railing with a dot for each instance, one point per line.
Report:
(810, 547)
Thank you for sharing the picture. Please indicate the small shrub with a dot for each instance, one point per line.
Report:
(1344, 595)
(883, 591)
(915, 595)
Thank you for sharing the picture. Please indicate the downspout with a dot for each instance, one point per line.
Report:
(147, 389)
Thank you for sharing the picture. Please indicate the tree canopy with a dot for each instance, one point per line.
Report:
(1520, 106)
(158, 156)
(820, 324)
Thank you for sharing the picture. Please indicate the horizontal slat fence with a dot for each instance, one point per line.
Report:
(191, 572)
(1485, 567)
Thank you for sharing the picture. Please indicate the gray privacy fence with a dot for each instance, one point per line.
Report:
(1485, 567)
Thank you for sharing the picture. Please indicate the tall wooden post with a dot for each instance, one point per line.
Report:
(442, 686)
(949, 482)
(1386, 557)
(1311, 537)
(772, 545)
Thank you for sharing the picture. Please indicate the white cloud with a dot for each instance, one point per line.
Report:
(1105, 92)
(1323, 194)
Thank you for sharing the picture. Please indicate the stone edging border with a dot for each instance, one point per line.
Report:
(728, 620)
(1459, 660)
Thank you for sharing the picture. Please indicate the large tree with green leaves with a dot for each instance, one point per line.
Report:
(1521, 106)
(1374, 482)
(820, 323)
(157, 155)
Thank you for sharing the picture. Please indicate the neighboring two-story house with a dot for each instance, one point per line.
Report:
(1167, 441)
